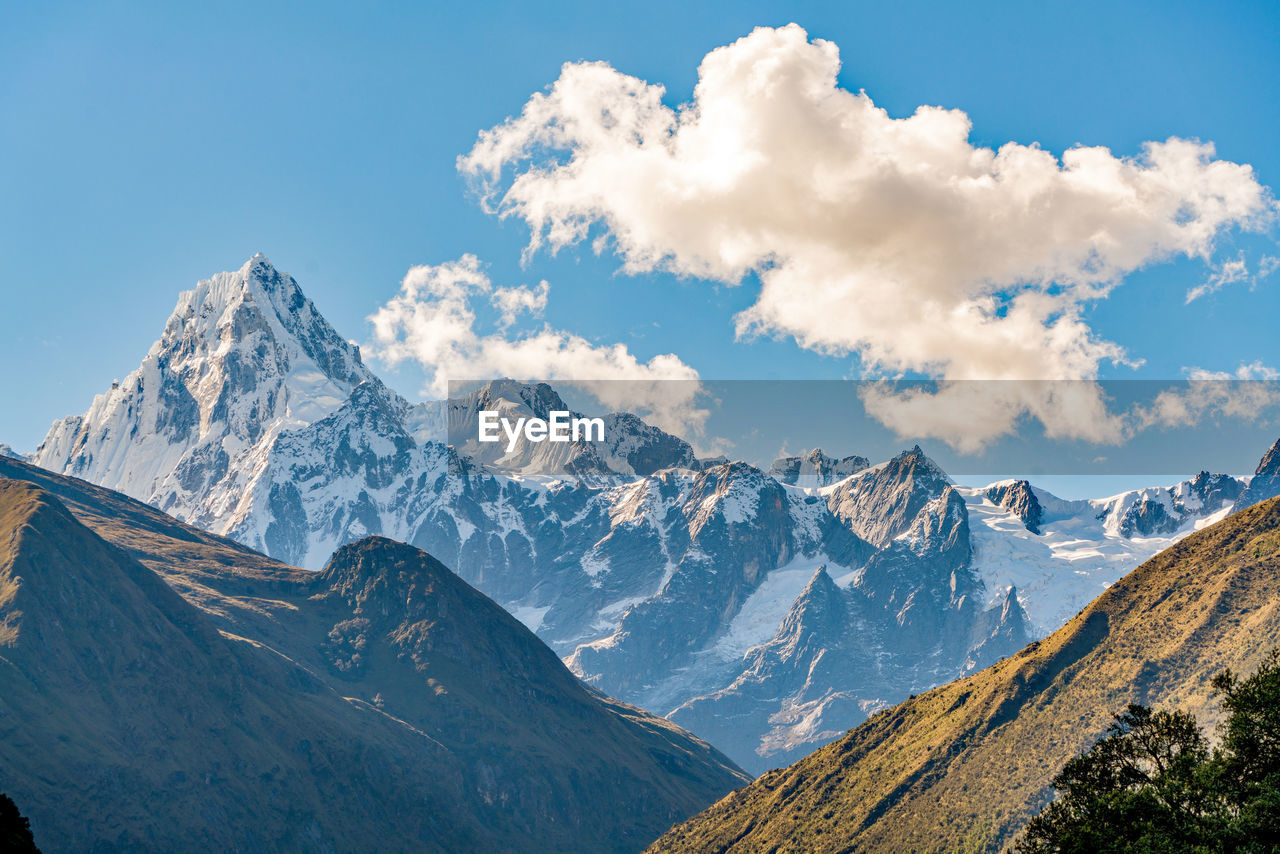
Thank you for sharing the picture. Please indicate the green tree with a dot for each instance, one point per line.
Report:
(1151, 783)
(1247, 764)
(15, 831)
(1139, 789)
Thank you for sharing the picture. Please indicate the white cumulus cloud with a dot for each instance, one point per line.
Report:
(433, 321)
(896, 239)
(968, 414)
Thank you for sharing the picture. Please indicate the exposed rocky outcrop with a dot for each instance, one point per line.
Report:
(1019, 499)
(815, 469)
(1265, 482)
(881, 503)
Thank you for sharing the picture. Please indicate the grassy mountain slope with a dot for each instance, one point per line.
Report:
(963, 767)
(380, 705)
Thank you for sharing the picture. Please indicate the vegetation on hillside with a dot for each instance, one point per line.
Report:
(15, 830)
(1153, 784)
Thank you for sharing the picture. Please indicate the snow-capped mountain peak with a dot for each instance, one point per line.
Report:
(258, 317)
(1265, 482)
(244, 356)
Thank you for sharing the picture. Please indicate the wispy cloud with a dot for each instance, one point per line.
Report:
(1234, 270)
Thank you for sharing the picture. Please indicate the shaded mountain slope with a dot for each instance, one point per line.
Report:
(382, 703)
(964, 766)
(130, 723)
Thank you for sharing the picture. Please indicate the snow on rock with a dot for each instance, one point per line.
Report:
(768, 611)
(1084, 546)
(244, 357)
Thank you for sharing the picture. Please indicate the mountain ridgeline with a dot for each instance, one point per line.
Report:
(165, 689)
(679, 584)
(963, 767)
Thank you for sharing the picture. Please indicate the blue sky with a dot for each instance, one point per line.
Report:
(146, 146)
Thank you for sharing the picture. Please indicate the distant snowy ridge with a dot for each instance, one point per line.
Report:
(768, 611)
(1081, 547)
(244, 358)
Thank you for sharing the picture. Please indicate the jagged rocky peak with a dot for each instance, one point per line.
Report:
(243, 355)
(1149, 517)
(798, 689)
(1265, 482)
(821, 610)
(506, 394)
(1215, 490)
(1269, 465)
(514, 402)
(228, 308)
(244, 360)
(882, 502)
(6, 451)
(629, 445)
(999, 631)
(923, 578)
(942, 526)
(643, 448)
(256, 325)
(1018, 498)
(738, 493)
(816, 468)
(1011, 612)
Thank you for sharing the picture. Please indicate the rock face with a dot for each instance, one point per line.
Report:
(881, 503)
(1019, 499)
(1156, 512)
(732, 526)
(913, 614)
(630, 446)
(964, 766)
(652, 573)
(1265, 482)
(815, 469)
(250, 706)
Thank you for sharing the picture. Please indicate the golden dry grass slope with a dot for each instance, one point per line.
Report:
(963, 767)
